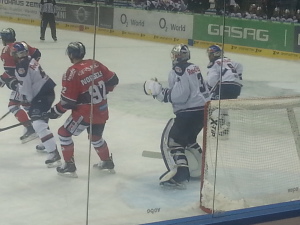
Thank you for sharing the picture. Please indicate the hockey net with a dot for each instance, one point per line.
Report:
(259, 161)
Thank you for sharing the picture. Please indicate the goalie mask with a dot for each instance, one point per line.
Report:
(75, 50)
(8, 35)
(214, 52)
(180, 53)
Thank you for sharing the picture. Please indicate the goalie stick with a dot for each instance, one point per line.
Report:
(153, 155)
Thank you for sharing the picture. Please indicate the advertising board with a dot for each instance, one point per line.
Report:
(166, 24)
(244, 32)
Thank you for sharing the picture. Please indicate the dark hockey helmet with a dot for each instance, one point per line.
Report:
(76, 50)
(8, 35)
(180, 53)
(214, 52)
(19, 50)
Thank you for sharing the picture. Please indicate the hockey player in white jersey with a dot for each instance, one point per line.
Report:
(38, 88)
(187, 92)
(224, 79)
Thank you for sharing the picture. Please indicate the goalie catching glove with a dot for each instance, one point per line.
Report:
(154, 88)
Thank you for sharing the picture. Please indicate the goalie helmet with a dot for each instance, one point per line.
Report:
(8, 35)
(76, 50)
(19, 50)
(214, 52)
(180, 53)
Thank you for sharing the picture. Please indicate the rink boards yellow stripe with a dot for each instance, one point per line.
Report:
(168, 40)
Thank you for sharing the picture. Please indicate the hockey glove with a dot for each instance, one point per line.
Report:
(12, 83)
(55, 113)
(152, 87)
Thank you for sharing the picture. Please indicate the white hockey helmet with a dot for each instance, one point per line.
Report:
(180, 53)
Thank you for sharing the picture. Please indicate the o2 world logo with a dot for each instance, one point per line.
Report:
(81, 14)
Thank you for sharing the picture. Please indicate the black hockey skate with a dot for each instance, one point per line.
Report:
(67, 170)
(107, 165)
(169, 180)
(172, 184)
(29, 135)
(53, 159)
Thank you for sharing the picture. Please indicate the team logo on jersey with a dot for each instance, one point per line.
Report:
(21, 71)
(178, 69)
(195, 69)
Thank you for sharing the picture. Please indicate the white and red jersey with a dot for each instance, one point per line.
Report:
(224, 70)
(32, 78)
(8, 60)
(187, 90)
(86, 82)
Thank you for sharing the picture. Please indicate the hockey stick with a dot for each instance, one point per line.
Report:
(153, 155)
(5, 115)
(163, 143)
(12, 126)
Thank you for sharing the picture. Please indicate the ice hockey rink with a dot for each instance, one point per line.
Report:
(32, 194)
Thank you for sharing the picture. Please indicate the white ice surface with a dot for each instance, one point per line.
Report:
(32, 194)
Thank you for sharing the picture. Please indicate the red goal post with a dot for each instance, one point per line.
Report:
(259, 161)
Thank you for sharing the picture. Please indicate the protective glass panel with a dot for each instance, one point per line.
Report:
(250, 145)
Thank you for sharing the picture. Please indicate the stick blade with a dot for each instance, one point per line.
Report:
(153, 155)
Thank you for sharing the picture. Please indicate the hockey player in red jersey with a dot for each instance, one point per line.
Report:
(85, 86)
(16, 100)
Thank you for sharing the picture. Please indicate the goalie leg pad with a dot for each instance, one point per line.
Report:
(194, 156)
(174, 157)
(177, 165)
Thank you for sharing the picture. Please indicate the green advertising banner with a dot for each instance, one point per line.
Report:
(244, 32)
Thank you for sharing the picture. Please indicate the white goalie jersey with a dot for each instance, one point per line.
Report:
(224, 70)
(187, 89)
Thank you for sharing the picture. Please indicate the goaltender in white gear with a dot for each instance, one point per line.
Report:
(188, 93)
(224, 78)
